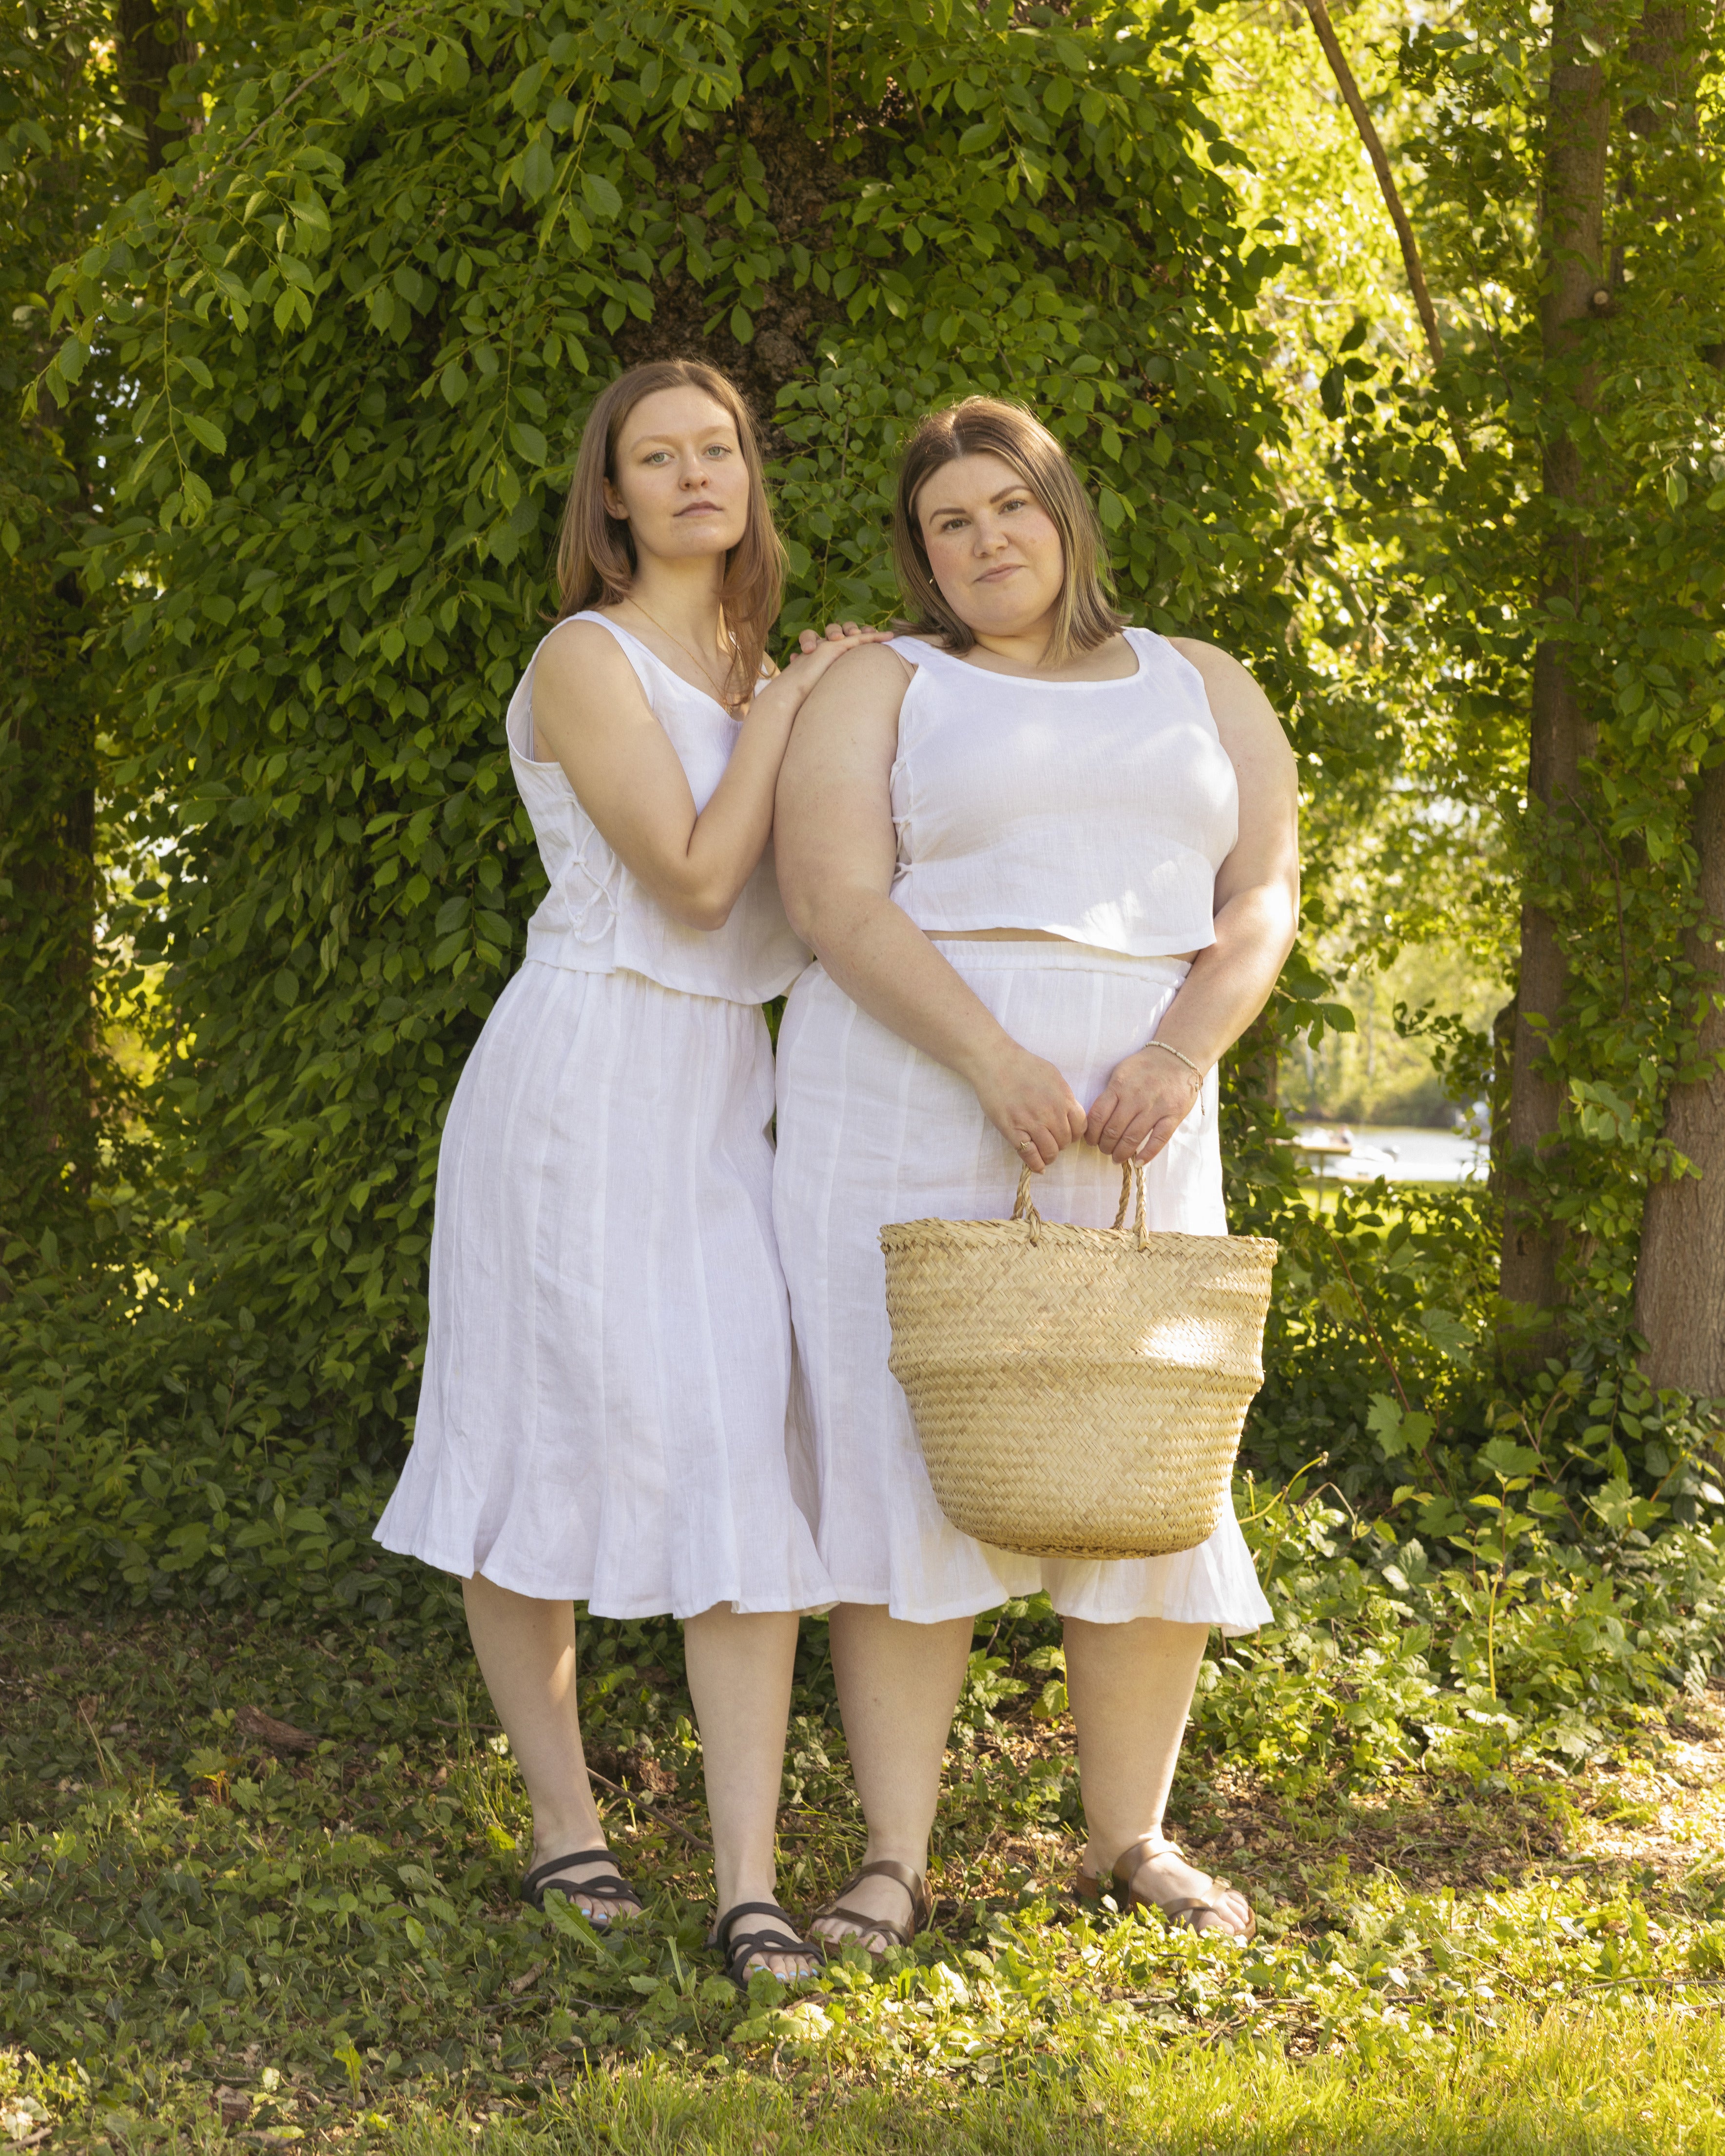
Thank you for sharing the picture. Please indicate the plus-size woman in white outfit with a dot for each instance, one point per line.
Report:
(602, 1412)
(1049, 869)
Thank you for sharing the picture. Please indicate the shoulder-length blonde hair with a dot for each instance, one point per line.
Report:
(596, 560)
(987, 426)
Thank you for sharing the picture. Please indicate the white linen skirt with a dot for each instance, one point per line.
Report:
(871, 1130)
(602, 1417)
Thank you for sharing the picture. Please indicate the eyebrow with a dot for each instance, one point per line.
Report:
(671, 441)
(1018, 486)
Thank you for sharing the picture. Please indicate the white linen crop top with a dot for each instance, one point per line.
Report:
(598, 918)
(1099, 811)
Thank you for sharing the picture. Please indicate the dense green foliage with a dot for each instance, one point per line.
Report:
(66, 162)
(365, 321)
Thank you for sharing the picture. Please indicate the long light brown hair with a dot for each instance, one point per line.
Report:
(987, 426)
(596, 560)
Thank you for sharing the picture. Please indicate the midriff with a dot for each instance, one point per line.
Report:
(1041, 935)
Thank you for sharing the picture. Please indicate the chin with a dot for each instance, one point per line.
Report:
(711, 535)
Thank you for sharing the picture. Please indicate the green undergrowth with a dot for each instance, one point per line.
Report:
(315, 1925)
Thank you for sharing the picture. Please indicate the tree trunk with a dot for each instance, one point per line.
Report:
(1680, 1280)
(1680, 1283)
(1561, 738)
(150, 41)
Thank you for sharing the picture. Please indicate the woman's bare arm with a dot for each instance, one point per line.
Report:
(1257, 914)
(589, 711)
(836, 852)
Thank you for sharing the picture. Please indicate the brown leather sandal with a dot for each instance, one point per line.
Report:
(1190, 1910)
(885, 1868)
(740, 1948)
(619, 1899)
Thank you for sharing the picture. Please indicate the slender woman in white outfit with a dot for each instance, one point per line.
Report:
(1049, 869)
(602, 1412)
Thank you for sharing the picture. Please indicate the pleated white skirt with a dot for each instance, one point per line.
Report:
(602, 1412)
(870, 1130)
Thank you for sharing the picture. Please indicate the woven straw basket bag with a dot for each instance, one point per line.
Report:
(1078, 1391)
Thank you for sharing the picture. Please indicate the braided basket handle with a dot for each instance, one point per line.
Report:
(1131, 1175)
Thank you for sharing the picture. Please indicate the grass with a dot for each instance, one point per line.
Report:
(216, 1928)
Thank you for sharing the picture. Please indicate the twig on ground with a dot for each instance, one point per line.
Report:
(652, 1811)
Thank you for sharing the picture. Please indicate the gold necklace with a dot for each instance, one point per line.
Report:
(724, 703)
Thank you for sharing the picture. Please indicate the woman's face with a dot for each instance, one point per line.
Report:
(995, 552)
(681, 480)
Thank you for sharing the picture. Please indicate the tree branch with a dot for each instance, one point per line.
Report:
(1356, 104)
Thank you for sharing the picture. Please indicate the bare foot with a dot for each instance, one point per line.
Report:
(1164, 1877)
(597, 1911)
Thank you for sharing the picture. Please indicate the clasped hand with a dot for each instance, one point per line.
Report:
(1147, 1098)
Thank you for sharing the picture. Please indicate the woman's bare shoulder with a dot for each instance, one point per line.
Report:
(573, 646)
(584, 680)
(581, 663)
(873, 675)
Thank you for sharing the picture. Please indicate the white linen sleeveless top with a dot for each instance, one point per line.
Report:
(598, 918)
(1099, 811)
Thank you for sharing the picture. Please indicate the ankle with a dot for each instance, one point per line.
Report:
(560, 1833)
(1101, 1853)
(750, 1882)
(885, 1849)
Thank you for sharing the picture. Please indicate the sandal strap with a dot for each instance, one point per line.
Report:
(899, 1934)
(1091, 1885)
(884, 1867)
(739, 1948)
(1134, 1853)
(603, 1887)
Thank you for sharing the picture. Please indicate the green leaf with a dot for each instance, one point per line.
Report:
(530, 443)
(537, 170)
(601, 198)
(205, 431)
(1447, 1333)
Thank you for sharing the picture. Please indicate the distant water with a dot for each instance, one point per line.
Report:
(1403, 1154)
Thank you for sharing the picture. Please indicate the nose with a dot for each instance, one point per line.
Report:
(694, 473)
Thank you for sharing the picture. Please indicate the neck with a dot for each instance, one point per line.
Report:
(683, 598)
(1022, 647)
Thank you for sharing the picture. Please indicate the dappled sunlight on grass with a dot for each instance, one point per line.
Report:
(269, 1880)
